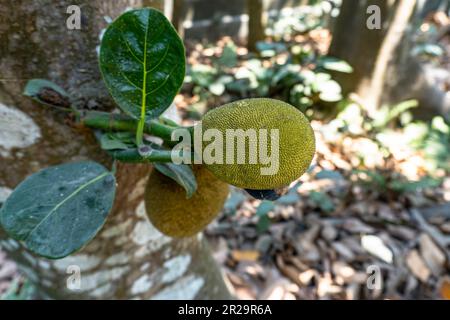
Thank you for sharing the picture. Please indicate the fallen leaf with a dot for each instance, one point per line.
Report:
(355, 225)
(432, 255)
(329, 232)
(307, 276)
(352, 291)
(445, 227)
(343, 250)
(417, 266)
(376, 247)
(444, 288)
(245, 255)
(343, 270)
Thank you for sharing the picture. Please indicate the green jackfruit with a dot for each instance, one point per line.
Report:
(296, 143)
(176, 216)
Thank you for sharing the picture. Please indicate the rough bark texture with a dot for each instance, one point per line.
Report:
(128, 258)
(373, 92)
(355, 43)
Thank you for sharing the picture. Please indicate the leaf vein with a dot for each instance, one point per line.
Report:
(129, 49)
(164, 82)
(129, 81)
(160, 60)
(80, 188)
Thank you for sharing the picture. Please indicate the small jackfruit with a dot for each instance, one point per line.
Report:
(176, 216)
(296, 143)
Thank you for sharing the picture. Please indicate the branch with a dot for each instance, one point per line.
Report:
(150, 155)
(119, 122)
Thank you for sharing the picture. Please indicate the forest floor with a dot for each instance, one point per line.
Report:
(370, 219)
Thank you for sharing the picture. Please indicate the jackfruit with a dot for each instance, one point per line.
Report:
(173, 214)
(296, 143)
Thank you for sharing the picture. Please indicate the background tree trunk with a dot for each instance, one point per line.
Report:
(255, 23)
(389, 46)
(177, 16)
(129, 258)
(360, 47)
(384, 69)
(157, 4)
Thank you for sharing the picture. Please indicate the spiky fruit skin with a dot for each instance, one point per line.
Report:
(296, 141)
(176, 216)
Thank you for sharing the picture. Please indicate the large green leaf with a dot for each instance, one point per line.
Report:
(57, 210)
(142, 60)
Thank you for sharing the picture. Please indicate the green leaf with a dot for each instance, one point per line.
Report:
(229, 57)
(142, 60)
(117, 140)
(263, 224)
(168, 122)
(389, 113)
(329, 174)
(47, 92)
(58, 210)
(20, 291)
(217, 88)
(270, 49)
(329, 90)
(322, 200)
(289, 198)
(428, 49)
(181, 173)
(335, 64)
(438, 123)
(233, 202)
(370, 178)
(264, 207)
(330, 96)
(410, 186)
(202, 74)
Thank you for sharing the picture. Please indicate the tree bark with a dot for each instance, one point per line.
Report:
(360, 46)
(255, 23)
(129, 258)
(372, 93)
(157, 4)
(385, 72)
(177, 16)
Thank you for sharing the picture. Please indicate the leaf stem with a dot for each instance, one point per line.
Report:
(134, 156)
(140, 132)
(119, 122)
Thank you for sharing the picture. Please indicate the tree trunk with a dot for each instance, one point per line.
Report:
(129, 258)
(357, 44)
(369, 51)
(384, 69)
(176, 16)
(412, 78)
(157, 4)
(255, 23)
